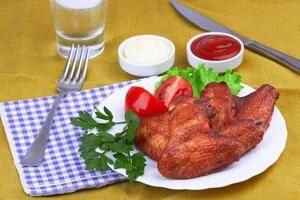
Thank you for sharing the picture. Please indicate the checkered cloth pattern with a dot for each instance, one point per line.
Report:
(62, 170)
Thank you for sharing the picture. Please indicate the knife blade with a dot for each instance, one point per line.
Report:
(209, 25)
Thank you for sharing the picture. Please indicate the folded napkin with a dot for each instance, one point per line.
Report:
(63, 169)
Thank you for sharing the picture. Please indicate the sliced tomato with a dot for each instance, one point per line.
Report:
(173, 87)
(143, 103)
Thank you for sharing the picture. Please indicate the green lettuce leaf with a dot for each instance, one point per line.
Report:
(201, 76)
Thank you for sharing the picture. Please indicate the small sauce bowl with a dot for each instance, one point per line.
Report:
(146, 69)
(220, 65)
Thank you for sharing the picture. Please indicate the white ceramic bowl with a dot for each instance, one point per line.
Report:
(219, 65)
(144, 70)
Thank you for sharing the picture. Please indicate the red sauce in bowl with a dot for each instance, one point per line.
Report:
(215, 47)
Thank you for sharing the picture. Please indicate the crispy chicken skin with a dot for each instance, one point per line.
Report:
(222, 104)
(153, 135)
(259, 105)
(247, 132)
(197, 155)
(199, 136)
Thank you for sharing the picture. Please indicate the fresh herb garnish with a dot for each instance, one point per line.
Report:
(95, 147)
(200, 77)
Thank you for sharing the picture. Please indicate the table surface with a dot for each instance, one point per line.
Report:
(30, 67)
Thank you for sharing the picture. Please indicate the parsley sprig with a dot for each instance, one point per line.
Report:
(95, 146)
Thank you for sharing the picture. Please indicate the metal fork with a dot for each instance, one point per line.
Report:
(71, 80)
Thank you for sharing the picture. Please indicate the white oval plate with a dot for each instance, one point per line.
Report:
(253, 163)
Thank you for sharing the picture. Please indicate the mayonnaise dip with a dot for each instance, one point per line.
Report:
(146, 51)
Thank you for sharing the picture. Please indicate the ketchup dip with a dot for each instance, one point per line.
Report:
(215, 47)
(216, 50)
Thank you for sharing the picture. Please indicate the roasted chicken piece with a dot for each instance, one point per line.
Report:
(247, 132)
(153, 135)
(259, 105)
(197, 155)
(199, 136)
(222, 104)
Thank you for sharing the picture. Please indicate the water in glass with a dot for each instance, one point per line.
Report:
(79, 22)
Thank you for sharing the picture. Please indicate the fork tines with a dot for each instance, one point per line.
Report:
(78, 58)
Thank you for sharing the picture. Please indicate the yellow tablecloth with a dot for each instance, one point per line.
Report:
(30, 67)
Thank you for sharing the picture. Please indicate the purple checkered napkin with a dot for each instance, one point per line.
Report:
(63, 169)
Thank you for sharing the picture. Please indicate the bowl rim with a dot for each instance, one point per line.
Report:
(188, 46)
(168, 42)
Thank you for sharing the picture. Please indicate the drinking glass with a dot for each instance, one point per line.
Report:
(79, 22)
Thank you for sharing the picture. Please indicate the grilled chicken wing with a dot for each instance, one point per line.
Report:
(259, 105)
(199, 136)
(153, 135)
(222, 104)
(198, 155)
(248, 132)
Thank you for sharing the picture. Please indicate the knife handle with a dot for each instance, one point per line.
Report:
(275, 55)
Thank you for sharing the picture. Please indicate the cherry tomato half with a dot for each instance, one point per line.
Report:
(172, 88)
(143, 103)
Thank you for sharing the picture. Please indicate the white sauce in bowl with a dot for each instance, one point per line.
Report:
(146, 51)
